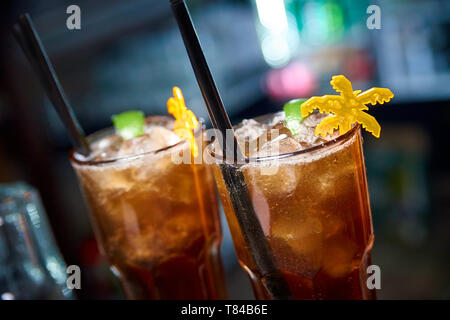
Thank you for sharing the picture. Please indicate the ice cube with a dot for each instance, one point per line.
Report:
(163, 137)
(248, 133)
(136, 146)
(281, 129)
(278, 118)
(264, 144)
(297, 241)
(341, 252)
(273, 179)
(175, 232)
(306, 136)
(250, 129)
(314, 119)
(281, 145)
(155, 138)
(106, 148)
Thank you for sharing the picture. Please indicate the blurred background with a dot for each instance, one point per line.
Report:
(129, 54)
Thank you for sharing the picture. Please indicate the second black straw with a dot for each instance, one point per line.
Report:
(249, 224)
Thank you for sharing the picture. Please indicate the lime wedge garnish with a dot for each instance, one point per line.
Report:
(293, 115)
(129, 124)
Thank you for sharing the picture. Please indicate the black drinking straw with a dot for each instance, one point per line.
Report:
(234, 179)
(31, 44)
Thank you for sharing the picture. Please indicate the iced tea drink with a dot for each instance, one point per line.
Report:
(312, 202)
(157, 221)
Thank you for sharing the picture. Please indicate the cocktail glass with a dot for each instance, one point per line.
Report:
(157, 221)
(313, 206)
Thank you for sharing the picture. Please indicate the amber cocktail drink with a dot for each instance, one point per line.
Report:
(312, 202)
(157, 220)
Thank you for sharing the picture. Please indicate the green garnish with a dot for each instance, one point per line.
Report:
(293, 115)
(129, 124)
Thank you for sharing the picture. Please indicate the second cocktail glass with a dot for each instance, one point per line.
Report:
(313, 206)
(157, 221)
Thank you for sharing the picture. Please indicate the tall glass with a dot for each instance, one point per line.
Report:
(157, 222)
(31, 266)
(313, 206)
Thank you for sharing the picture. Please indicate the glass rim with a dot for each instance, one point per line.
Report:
(104, 132)
(341, 138)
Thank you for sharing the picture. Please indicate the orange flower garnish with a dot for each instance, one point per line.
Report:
(185, 119)
(347, 108)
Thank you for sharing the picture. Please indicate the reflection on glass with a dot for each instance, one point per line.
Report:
(31, 266)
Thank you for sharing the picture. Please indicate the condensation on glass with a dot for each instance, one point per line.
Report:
(313, 206)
